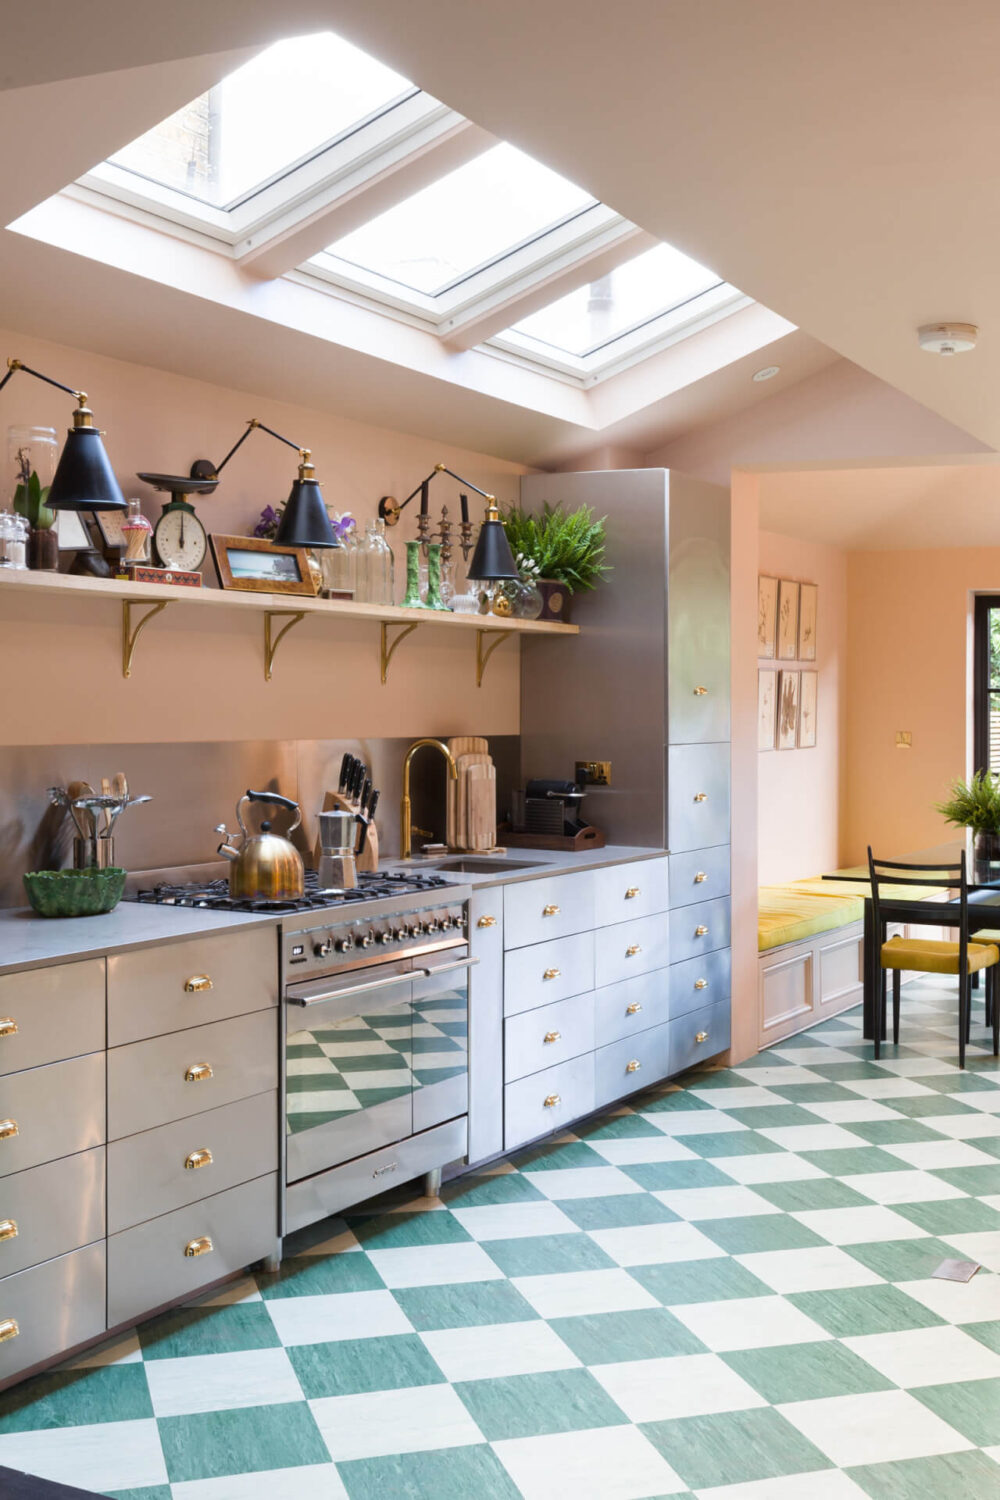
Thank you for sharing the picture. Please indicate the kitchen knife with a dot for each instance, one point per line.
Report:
(345, 767)
(372, 804)
(366, 792)
(354, 788)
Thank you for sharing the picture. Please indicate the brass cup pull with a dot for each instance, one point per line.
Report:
(701, 1036)
(200, 1246)
(701, 930)
(632, 950)
(700, 878)
(632, 892)
(701, 796)
(551, 1100)
(551, 974)
(701, 984)
(8, 1026)
(552, 1036)
(487, 922)
(201, 1158)
(8, 1329)
(633, 1066)
(633, 1009)
(700, 692)
(197, 984)
(550, 911)
(7, 1129)
(8, 1229)
(197, 1072)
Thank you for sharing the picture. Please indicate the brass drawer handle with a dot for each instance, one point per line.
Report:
(200, 1158)
(550, 911)
(700, 692)
(201, 1246)
(633, 1009)
(633, 1066)
(487, 922)
(701, 984)
(8, 1329)
(552, 974)
(197, 984)
(8, 1229)
(701, 1036)
(552, 1100)
(632, 950)
(700, 878)
(701, 930)
(632, 892)
(552, 1036)
(701, 796)
(197, 1072)
(7, 1129)
(8, 1026)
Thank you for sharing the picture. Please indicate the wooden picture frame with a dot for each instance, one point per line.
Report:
(788, 710)
(808, 697)
(109, 524)
(767, 616)
(808, 606)
(280, 570)
(767, 707)
(788, 620)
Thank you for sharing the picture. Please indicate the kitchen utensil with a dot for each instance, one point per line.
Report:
(74, 792)
(74, 893)
(345, 768)
(481, 806)
(265, 867)
(341, 845)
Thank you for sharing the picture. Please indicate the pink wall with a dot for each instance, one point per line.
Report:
(802, 792)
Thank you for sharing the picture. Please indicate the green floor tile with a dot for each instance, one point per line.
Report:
(771, 1116)
(851, 1161)
(811, 1093)
(810, 1192)
(890, 1132)
(389, 1231)
(350, 1366)
(903, 1260)
(917, 1106)
(978, 1181)
(857, 1310)
(553, 1156)
(208, 1330)
(986, 1333)
(751, 1232)
(515, 1406)
(734, 1448)
(656, 1176)
(320, 1275)
(468, 1305)
(617, 1128)
(611, 1338)
(442, 1474)
(216, 1444)
(484, 1190)
(806, 1372)
(966, 1082)
(678, 1099)
(74, 1398)
(617, 1213)
(843, 1072)
(546, 1255)
(684, 1281)
(150, 1492)
(972, 1407)
(949, 1476)
(945, 1216)
(732, 1143)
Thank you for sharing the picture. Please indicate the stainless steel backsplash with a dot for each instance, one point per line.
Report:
(196, 786)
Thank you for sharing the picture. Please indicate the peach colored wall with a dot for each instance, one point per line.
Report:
(743, 822)
(801, 792)
(199, 678)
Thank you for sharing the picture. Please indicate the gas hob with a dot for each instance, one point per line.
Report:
(213, 895)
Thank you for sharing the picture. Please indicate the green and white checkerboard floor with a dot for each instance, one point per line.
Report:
(724, 1291)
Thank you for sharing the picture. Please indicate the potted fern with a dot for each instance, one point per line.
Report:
(565, 549)
(975, 804)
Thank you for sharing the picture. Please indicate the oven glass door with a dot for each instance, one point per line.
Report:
(440, 1043)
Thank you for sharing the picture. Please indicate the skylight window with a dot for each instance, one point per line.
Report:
(468, 219)
(290, 101)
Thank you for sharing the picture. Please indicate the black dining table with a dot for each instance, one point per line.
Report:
(984, 891)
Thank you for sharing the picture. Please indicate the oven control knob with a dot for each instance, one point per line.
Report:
(368, 938)
(322, 949)
(344, 944)
(431, 926)
(386, 936)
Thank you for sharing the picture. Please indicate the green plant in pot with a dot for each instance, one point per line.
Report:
(29, 501)
(975, 804)
(567, 550)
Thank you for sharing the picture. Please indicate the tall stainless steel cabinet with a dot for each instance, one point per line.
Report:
(646, 683)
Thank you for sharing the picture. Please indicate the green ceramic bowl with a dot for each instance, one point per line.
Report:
(74, 893)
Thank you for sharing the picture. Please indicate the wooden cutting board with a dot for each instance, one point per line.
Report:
(468, 744)
(481, 806)
(460, 744)
(463, 762)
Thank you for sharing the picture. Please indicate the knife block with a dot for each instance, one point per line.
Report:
(368, 860)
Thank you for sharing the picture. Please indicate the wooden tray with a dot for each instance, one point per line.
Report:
(587, 838)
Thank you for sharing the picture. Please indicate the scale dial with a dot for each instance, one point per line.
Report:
(179, 538)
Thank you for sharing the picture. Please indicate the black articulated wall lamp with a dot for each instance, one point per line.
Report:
(304, 521)
(492, 559)
(84, 478)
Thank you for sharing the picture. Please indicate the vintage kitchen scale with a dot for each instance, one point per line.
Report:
(179, 538)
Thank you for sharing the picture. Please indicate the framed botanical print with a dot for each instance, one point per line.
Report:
(808, 598)
(788, 620)
(767, 703)
(788, 710)
(808, 694)
(767, 616)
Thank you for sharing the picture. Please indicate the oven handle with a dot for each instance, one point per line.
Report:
(380, 984)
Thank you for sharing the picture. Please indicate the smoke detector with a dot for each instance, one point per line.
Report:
(948, 338)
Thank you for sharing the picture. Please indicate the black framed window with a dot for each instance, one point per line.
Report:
(987, 682)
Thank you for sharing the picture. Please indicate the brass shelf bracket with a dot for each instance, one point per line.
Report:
(483, 655)
(130, 636)
(386, 649)
(271, 640)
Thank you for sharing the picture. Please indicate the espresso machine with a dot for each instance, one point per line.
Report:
(342, 838)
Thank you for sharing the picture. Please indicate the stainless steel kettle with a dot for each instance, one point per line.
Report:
(265, 867)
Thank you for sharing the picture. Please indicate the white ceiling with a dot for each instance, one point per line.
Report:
(838, 164)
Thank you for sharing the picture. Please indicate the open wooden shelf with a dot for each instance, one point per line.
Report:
(288, 609)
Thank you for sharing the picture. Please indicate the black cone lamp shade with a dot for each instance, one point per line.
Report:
(492, 559)
(304, 521)
(84, 478)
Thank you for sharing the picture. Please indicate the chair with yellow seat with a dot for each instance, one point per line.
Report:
(931, 956)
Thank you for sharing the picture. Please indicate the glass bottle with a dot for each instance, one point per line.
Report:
(376, 566)
(138, 534)
(338, 562)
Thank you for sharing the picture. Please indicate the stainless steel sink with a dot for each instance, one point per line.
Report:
(467, 865)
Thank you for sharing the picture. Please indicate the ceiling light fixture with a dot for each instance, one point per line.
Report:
(767, 373)
(948, 338)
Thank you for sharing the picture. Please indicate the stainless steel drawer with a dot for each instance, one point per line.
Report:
(547, 972)
(553, 906)
(51, 1209)
(163, 1169)
(50, 1112)
(49, 1014)
(700, 981)
(624, 892)
(189, 983)
(54, 1306)
(631, 948)
(699, 929)
(632, 1006)
(697, 796)
(172, 1077)
(174, 1255)
(697, 1037)
(701, 874)
(623, 1067)
(549, 1035)
(547, 1101)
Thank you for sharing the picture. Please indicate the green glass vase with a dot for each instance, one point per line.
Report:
(411, 599)
(434, 600)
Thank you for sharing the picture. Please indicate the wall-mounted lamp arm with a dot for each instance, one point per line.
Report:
(202, 464)
(13, 365)
(390, 509)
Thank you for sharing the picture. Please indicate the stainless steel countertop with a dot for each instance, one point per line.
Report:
(544, 862)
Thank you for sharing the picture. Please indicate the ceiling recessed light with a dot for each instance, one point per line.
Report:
(948, 338)
(767, 373)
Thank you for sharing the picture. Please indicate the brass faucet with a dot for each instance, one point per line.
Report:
(405, 820)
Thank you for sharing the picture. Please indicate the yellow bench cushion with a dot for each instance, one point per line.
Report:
(786, 914)
(928, 956)
(861, 888)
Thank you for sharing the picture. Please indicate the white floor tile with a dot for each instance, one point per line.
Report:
(935, 1156)
(312, 1482)
(926, 1356)
(341, 1315)
(856, 1226)
(805, 1057)
(221, 1382)
(826, 1484)
(575, 1293)
(412, 1420)
(750, 1097)
(684, 1122)
(889, 1087)
(748, 1323)
(983, 1246)
(851, 1111)
(917, 1067)
(654, 1244)
(876, 1427)
(494, 1350)
(976, 1126)
(514, 1221)
(819, 1268)
(691, 1385)
(780, 1076)
(715, 1202)
(975, 1301)
(984, 1099)
(811, 1137)
(606, 1463)
(434, 1265)
(582, 1182)
(98, 1456)
(638, 1148)
(767, 1166)
(903, 1187)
